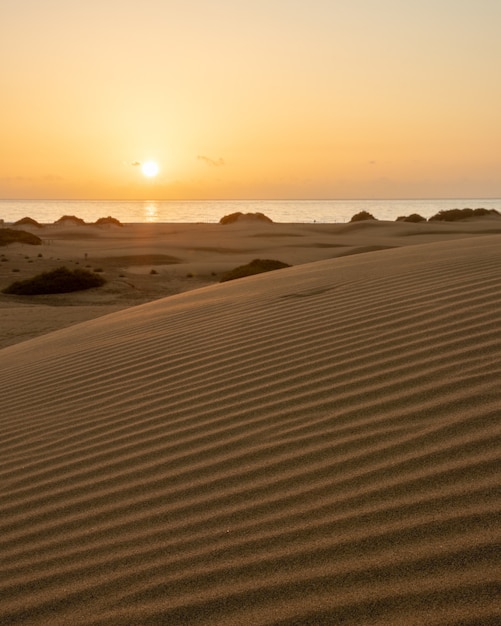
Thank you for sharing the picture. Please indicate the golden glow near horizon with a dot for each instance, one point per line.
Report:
(238, 99)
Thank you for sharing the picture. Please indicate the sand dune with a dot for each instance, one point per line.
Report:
(144, 262)
(318, 445)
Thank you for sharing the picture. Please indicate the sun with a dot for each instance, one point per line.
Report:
(150, 168)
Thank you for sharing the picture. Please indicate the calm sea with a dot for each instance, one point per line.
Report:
(292, 211)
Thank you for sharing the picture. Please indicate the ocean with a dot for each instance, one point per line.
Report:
(211, 211)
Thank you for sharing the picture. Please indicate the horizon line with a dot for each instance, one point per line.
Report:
(362, 199)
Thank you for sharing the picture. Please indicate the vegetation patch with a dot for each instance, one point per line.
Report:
(104, 221)
(453, 215)
(27, 221)
(257, 266)
(60, 280)
(414, 217)
(141, 259)
(250, 217)
(11, 235)
(361, 216)
(70, 218)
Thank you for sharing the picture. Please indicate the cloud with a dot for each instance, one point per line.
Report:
(136, 163)
(211, 162)
(16, 179)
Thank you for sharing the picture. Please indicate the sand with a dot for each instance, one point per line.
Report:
(316, 445)
(143, 262)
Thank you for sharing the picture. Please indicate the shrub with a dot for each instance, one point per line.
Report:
(363, 215)
(70, 218)
(27, 221)
(60, 280)
(257, 266)
(108, 220)
(452, 215)
(414, 217)
(10, 235)
(239, 216)
(481, 212)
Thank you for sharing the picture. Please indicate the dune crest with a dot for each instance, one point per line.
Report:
(317, 445)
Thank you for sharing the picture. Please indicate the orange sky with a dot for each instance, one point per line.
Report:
(250, 99)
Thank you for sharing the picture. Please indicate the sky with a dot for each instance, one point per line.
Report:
(250, 99)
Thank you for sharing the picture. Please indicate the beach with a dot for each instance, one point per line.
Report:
(315, 445)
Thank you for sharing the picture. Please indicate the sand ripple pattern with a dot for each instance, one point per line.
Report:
(319, 445)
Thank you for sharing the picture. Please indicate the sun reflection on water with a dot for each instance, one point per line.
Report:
(150, 212)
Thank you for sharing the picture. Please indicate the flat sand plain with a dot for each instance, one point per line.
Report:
(316, 445)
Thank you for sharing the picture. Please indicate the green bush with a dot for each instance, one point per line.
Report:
(60, 280)
(257, 266)
(10, 235)
(363, 215)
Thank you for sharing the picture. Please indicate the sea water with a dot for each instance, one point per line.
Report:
(211, 211)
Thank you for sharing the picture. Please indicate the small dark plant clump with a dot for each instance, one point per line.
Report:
(239, 216)
(257, 266)
(70, 218)
(27, 221)
(361, 216)
(103, 221)
(11, 235)
(414, 217)
(60, 280)
(153, 271)
(453, 215)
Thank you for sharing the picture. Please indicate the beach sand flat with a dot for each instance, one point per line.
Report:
(315, 445)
